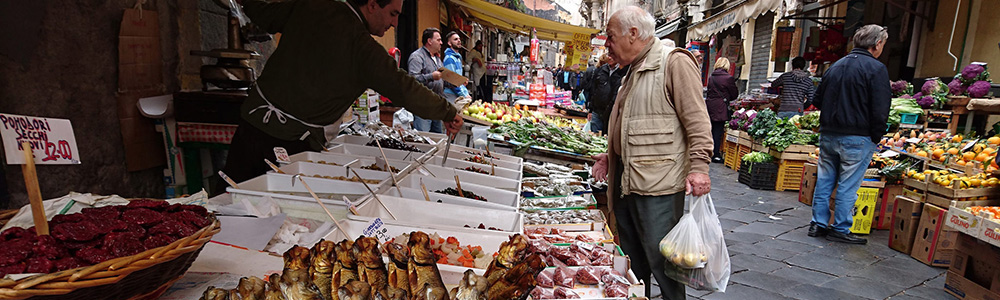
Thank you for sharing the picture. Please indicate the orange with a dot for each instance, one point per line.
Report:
(995, 140)
(938, 152)
(968, 155)
(956, 139)
(922, 153)
(943, 159)
(982, 157)
(960, 162)
(989, 150)
(953, 151)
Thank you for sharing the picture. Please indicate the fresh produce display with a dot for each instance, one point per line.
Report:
(392, 143)
(785, 133)
(557, 202)
(973, 81)
(477, 170)
(483, 154)
(757, 157)
(555, 235)
(943, 148)
(560, 217)
(763, 123)
(466, 194)
(742, 119)
(479, 160)
(377, 168)
(901, 106)
(901, 87)
(557, 138)
(933, 94)
(450, 252)
(344, 178)
(98, 234)
(949, 179)
(991, 212)
(498, 113)
(356, 270)
(809, 121)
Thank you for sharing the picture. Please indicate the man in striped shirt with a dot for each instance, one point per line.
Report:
(797, 89)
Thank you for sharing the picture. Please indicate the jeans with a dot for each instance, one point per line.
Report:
(788, 114)
(843, 160)
(596, 125)
(421, 124)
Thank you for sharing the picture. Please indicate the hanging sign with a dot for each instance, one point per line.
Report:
(52, 140)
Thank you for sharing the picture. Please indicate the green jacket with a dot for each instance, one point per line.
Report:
(325, 60)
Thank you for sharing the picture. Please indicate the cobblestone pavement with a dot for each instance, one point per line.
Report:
(772, 258)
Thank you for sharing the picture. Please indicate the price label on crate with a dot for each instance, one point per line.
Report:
(52, 140)
(732, 138)
(376, 229)
(281, 155)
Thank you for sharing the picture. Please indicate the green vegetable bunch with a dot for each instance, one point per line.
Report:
(547, 136)
(784, 134)
(809, 121)
(763, 123)
(757, 157)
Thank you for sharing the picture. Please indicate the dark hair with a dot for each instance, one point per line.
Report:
(428, 34)
(450, 33)
(478, 43)
(381, 3)
(798, 63)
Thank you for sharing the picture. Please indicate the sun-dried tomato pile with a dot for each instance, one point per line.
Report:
(98, 234)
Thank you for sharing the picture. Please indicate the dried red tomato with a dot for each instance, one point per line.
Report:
(46, 246)
(158, 240)
(12, 269)
(80, 231)
(67, 263)
(148, 203)
(197, 209)
(192, 218)
(142, 216)
(94, 255)
(40, 265)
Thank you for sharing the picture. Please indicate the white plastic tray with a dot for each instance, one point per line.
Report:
(295, 200)
(461, 164)
(418, 194)
(516, 166)
(502, 157)
(471, 177)
(365, 151)
(367, 161)
(420, 213)
(492, 195)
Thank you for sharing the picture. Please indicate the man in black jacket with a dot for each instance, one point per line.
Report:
(601, 93)
(854, 97)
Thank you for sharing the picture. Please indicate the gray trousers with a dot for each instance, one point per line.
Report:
(642, 222)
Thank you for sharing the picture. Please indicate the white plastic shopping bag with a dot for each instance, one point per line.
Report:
(713, 275)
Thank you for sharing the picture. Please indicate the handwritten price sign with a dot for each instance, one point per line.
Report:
(52, 140)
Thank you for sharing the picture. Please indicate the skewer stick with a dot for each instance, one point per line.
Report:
(370, 190)
(328, 213)
(34, 192)
(424, 188)
(388, 168)
(350, 206)
(459, 185)
(228, 180)
(273, 167)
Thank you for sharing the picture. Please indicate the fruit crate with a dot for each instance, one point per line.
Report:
(794, 152)
(730, 156)
(738, 159)
(789, 175)
(759, 176)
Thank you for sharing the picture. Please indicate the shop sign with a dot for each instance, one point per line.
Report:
(52, 140)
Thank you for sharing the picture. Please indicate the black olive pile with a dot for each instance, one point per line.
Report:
(468, 194)
(393, 144)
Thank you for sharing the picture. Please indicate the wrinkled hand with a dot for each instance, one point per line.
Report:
(454, 125)
(698, 184)
(436, 75)
(600, 170)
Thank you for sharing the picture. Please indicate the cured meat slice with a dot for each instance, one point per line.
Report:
(564, 277)
(588, 275)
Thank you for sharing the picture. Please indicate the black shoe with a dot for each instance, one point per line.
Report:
(849, 238)
(815, 230)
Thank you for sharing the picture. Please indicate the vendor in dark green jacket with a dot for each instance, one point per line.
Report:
(325, 60)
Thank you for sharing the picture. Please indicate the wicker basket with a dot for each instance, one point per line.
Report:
(131, 277)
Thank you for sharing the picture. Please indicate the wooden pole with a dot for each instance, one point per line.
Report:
(458, 185)
(388, 168)
(34, 192)
(370, 190)
(424, 188)
(328, 213)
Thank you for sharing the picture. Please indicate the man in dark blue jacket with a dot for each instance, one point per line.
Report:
(854, 97)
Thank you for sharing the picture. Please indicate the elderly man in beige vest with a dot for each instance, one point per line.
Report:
(660, 142)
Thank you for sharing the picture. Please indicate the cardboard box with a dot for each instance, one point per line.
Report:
(988, 231)
(808, 185)
(864, 210)
(975, 270)
(934, 243)
(884, 208)
(905, 219)
(963, 221)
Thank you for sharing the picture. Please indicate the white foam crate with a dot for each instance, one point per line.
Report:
(417, 194)
(337, 158)
(363, 140)
(472, 177)
(310, 169)
(516, 166)
(398, 164)
(295, 200)
(502, 157)
(451, 275)
(421, 213)
(366, 151)
(461, 164)
(492, 195)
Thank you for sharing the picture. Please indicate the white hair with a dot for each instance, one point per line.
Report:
(635, 17)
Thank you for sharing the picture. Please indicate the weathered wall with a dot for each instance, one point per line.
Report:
(980, 40)
(73, 74)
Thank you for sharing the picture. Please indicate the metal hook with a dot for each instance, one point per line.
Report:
(294, 177)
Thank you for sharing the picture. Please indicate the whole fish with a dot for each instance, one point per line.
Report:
(321, 267)
(399, 256)
(295, 280)
(355, 290)
(472, 287)
(511, 252)
(371, 268)
(273, 291)
(250, 288)
(344, 268)
(424, 276)
(214, 293)
(518, 281)
(391, 293)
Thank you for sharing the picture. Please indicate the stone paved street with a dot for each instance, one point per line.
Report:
(773, 258)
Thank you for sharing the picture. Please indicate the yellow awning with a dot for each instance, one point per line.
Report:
(509, 20)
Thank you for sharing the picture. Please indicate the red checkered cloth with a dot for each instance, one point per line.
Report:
(205, 133)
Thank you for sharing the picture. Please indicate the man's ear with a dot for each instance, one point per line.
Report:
(633, 34)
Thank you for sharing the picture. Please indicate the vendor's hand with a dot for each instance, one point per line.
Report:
(698, 184)
(454, 125)
(600, 170)
(436, 75)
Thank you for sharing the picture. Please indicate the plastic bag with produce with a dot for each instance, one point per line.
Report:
(545, 279)
(684, 246)
(564, 293)
(616, 290)
(601, 258)
(714, 275)
(560, 253)
(578, 259)
(542, 293)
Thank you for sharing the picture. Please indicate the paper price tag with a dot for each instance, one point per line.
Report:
(376, 229)
(889, 153)
(381, 163)
(281, 155)
(913, 140)
(732, 139)
(969, 145)
(350, 206)
(52, 140)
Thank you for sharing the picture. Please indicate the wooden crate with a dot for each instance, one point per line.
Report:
(745, 139)
(741, 151)
(955, 192)
(731, 152)
(794, 152)
(789, 175)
